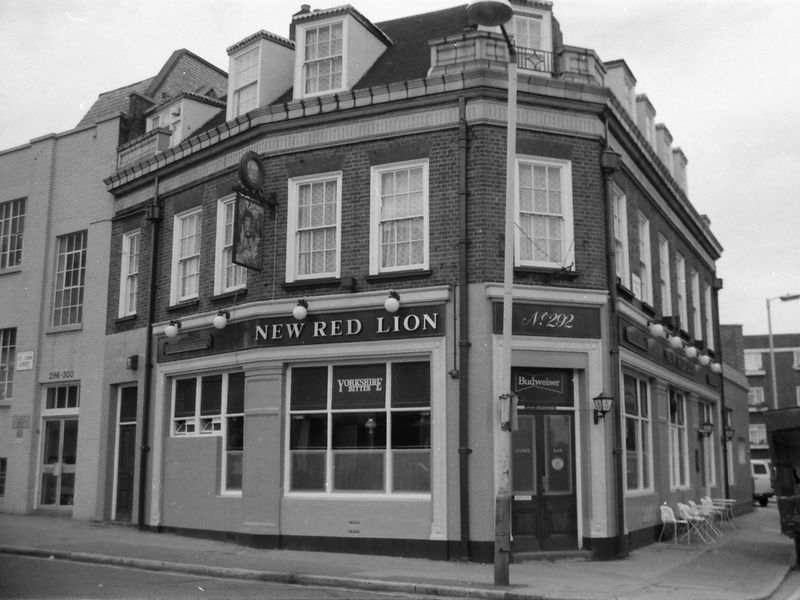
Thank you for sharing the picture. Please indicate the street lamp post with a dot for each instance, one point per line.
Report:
(784, 298)
(494, 13)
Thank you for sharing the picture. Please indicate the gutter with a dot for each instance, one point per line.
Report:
(153, 215)
(463, 335)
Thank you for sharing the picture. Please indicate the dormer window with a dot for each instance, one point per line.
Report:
(322, 63)
(245, 82)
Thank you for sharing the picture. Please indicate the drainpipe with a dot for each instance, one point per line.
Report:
(463, 335)
(610, 162)
(153, 215)
(723, 416)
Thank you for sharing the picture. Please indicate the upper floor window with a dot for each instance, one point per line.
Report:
(186, 256)
(228, 276)
(753, 361)
(399, 237)
(637, 434)
(665, 283)
(8, 355)
(129, 273)
(70, 279)
(709, 317)
(755, 396)
(314, 224)
(796, 359)
(758, 434)
(645, 269)
(680, 277)
(12, 227)
(544, 236)
(620, 224)
(245, 82)
(697, 330)
(322, 59)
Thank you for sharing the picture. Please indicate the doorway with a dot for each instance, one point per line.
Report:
(126, 454)
(544, 506)
(58, 462)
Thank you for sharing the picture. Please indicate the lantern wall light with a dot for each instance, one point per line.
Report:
(602, 404)
(706, 429)
(221, 319)
(300, 311)
(172, 329)
(392, 303)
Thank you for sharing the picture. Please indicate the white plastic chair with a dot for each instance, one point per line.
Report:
(696, 521)
(709, 514)
(726, 505)
(668, 518)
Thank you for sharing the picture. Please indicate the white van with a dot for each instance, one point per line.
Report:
(761, 470)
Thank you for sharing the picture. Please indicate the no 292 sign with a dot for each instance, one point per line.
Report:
(550, 320)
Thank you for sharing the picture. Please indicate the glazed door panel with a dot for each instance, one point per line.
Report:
(544, 506)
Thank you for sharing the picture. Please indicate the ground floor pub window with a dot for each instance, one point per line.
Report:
(213, 405)
(360, 428)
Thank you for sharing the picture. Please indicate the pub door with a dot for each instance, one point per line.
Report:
(544, 504)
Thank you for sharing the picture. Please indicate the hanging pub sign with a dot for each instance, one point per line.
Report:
(542, 388)
(551, 320)
(248, 230)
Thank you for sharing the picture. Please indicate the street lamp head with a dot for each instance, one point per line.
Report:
(788, 297)
(490, 13)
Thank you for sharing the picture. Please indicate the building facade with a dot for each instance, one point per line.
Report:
(55, 223)
(773, 375)
(304, 332)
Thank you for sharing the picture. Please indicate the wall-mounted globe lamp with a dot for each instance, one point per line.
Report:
(172, 329)
(221, 318)
(300, 311)
(392, 302)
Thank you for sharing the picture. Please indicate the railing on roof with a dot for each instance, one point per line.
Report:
(144, 146)
(532, 59)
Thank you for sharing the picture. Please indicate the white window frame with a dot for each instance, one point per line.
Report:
(678, 441)
(184, 262)
(8, 356)
(329, 411)
(376, 265)
(245, 80)
(754, 362)
(12, 231)
(293, 226)
(70, 279)
(564, 217)
(709, 316)
(619, 204)
(697, 322)
(797, 395)
(129, 272)
(680, 279)
(796, 359)
(305, 61)
(641, 420)
(212, 425)
(758, 435)
(228, 277)
(645, 259)
(755, 396)
(665, 282)
(709, 442)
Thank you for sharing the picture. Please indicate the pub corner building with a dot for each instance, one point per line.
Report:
(305, 337)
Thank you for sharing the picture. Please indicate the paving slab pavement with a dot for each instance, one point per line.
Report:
(747, 564)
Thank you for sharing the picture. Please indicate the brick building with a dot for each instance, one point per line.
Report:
(330, 378)
(55, 223)
(765, 392)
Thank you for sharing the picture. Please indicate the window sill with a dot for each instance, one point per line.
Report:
(388, 276)
(624, 292)
(125, 319)
(755, 372)
(184, 304)
(228, 295)
(311, 283)
(64, 329)
(10, 270)
(551, 273)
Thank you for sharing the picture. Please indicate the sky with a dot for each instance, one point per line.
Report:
(721, 74)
